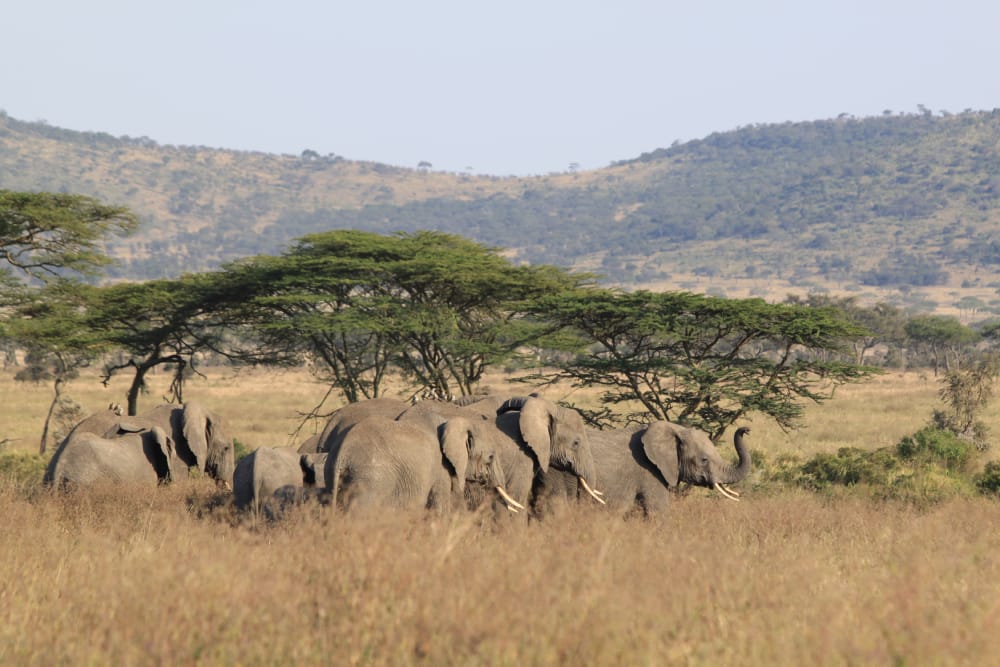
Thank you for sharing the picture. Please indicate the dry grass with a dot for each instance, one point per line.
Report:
(118, 576)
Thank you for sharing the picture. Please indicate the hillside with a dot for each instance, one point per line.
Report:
(904, 204)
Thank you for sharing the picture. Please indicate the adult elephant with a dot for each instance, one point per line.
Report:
(199, 436)
(346, 417)
(383, 463)
(638, 467)
(266, 469)
(141, 456)
(449, 420)
(555, 439)
(531, 435)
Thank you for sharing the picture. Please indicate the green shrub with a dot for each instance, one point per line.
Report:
(932, 446)
(849, 466)
(21, 469)
(988, 481)
(927, 487)
(239, 450)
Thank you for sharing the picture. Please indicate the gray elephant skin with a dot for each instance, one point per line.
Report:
(346, 417)
(266, 469)
(529, 434)
(638, 467)
(194, 438)
(555, 438)
(147, 456)
(384, 463)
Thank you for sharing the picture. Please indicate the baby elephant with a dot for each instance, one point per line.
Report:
(265, 470)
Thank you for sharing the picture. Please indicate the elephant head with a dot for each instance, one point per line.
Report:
(556, 436)
(468, 446)
(207, 440)
(683, 454)
(199, 437)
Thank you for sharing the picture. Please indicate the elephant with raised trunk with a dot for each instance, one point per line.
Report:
(638, 467)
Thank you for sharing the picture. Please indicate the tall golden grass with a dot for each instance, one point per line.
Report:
(173, 576)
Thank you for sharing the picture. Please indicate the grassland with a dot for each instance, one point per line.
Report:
(114, 576)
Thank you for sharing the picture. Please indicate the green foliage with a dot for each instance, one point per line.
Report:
(239, 449)
(47, 234)
(849, 466)
(988, 481)
(965, 392)
(924, 469)
(934, 447)
(833, 197)
(926, 487)
(435, 307)
(21, 469)
(698, 360)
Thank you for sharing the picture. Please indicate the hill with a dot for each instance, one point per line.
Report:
(906, 205)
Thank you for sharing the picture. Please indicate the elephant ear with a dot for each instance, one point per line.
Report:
(456, 441)
(197, 428)
(660, 442)
(536, 419)
(163, 452)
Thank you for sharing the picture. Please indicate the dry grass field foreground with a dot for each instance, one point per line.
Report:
(173, 576)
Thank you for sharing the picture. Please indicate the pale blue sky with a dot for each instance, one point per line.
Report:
(512, 87)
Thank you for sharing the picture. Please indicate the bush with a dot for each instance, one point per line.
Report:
(932, 446)
(849, 466)
(988, 481)
(21, 469)
(927, 487)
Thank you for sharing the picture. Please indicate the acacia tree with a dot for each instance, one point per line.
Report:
(699, 360)
(883, 323)
(460, 307)
(45, 234)
(942, 337)
(50, 324)
(154, 323)
(435, 307)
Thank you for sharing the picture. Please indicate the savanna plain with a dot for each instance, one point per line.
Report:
(117, 576)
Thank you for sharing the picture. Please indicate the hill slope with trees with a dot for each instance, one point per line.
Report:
(901, 200)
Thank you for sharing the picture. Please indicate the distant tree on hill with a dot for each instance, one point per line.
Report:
(942, 337)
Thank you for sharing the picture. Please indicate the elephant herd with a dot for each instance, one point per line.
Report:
(519, 456)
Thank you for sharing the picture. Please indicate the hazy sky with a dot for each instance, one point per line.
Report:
(502, 87)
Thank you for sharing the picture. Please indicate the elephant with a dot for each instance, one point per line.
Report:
(310, 445)
(556, 439)
(637, 467)
(529, 433)
(483, 439)
(199, 436)
(276, 507)
(262, 471)
(141, 456)
(344, 418)
(97, 423)
(384, 463)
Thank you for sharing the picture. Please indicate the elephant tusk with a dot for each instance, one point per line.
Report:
(733, 492)
(596, 494)
(512, 504)
(718, 487)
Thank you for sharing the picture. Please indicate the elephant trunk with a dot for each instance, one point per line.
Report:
(586, 473)
(738, 472)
